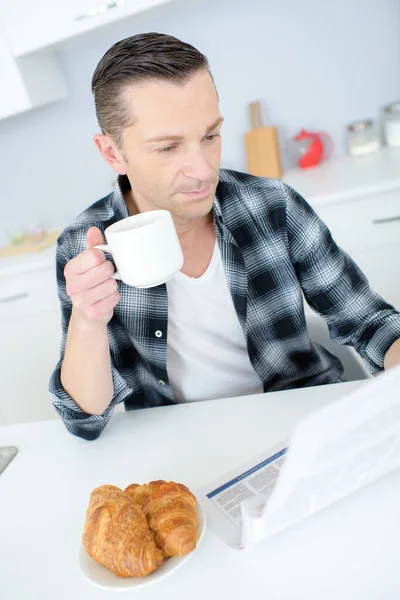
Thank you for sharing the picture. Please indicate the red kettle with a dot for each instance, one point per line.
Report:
(312, 148)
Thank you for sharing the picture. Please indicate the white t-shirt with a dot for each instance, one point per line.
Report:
(206, 349)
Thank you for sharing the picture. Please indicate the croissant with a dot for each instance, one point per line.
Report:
(116, 534)
(171, 512)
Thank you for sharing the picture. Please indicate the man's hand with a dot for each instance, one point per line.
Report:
(93, 292)
(392, 356)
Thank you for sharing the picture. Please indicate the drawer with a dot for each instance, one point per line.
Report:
(29, 351)
(364, 223)
(28, 293)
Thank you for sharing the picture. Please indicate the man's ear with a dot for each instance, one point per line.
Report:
(110, 153)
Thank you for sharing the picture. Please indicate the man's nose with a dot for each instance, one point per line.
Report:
(196, 166)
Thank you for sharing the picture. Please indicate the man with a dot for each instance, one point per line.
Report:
(232, 322)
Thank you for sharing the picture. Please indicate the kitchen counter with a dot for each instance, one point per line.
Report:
(15, 265)
(346, 551)
(347, 177)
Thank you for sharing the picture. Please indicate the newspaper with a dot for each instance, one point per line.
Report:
(331, 453)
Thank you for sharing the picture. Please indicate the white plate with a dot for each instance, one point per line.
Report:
(102, 577)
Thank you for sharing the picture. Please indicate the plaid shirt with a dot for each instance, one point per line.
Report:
(276, 251)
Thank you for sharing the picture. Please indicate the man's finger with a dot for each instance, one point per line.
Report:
(94, 237)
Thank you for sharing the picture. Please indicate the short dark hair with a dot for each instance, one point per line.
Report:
(147, 56)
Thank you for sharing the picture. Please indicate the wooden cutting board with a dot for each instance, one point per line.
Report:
(262, 148)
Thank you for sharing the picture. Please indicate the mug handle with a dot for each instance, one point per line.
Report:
(106, 248)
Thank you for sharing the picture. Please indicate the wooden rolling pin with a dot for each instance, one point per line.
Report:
(262, 149)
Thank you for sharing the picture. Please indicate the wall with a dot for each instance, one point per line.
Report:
(312, 64)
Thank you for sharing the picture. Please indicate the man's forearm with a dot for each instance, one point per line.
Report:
(392, 356)
(86, 370)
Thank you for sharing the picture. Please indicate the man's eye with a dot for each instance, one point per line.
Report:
(212, 137)
(166, 149)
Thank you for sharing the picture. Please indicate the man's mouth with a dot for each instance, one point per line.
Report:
(197, 193)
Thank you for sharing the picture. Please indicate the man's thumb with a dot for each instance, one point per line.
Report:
(94, 237)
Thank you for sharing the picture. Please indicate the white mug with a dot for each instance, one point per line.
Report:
(145, 249)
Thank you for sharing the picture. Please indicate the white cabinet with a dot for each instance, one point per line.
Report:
(368, 228)
(27, 82)
(31, 26)
(14, 98)
(30, 335)
(31, 77)
(28, 293)
(29, 351)
(359, 200)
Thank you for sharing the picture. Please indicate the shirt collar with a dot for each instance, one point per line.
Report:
(122, 185)
(219, 219)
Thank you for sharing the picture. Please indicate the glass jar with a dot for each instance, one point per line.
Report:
(391, 124)
(363, 138)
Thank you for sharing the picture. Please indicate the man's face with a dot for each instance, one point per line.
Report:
(172, 152)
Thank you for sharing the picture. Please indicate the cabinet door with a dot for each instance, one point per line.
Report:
(29, 351)
(31, 26)
(14, 97)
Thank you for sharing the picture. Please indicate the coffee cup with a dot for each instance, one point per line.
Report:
(145, 249)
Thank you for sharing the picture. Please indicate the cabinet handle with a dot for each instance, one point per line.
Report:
(386, 220)
(95, 12)
(14, 298)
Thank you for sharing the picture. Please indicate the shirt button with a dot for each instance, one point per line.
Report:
(161, 382)
(158, 333)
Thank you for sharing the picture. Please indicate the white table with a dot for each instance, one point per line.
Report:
(349, 551)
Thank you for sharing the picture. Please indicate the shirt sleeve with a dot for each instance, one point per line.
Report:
(75, 420)
(336, 288)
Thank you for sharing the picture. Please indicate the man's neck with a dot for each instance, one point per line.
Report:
(189, 228)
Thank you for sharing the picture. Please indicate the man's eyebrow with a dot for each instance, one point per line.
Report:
(219, 121)
(178, 138)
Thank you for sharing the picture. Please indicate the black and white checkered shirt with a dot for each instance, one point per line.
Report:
(275, 249)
